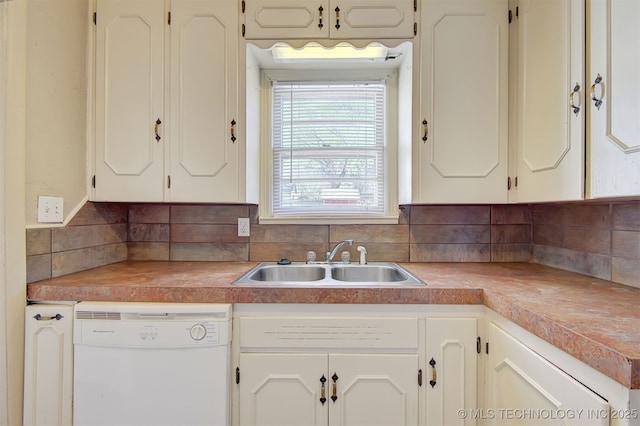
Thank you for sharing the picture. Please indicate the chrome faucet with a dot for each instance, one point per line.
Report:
(333, 252)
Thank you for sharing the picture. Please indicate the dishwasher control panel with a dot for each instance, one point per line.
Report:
(151, 334)
(144, 328)
(205, 332)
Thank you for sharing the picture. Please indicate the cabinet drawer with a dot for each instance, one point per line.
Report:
(328, 333)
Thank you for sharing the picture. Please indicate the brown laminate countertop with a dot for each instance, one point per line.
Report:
(596, 321)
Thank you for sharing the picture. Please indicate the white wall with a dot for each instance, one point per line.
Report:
(43, 47)
(12, 216)
(56, 102)
(3, 319)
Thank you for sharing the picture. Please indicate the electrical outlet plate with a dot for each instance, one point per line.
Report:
(243, 227)
(50, 209)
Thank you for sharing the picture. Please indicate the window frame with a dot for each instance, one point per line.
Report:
(391, 211)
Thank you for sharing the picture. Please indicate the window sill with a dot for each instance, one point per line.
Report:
(330, 220)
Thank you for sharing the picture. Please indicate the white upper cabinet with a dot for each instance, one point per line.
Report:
(460, 136)
(614, 109)
(547, 55)
(129, 100)
(165, 113)
(338, 19)
(204, 158)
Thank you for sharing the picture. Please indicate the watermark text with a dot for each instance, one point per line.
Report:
(547, 414)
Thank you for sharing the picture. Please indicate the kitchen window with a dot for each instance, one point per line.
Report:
(329, 148)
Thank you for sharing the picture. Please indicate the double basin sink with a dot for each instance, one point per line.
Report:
(328, 274)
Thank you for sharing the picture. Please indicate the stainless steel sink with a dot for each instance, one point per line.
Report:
(288, 273)
(369, 273)
(328, 275)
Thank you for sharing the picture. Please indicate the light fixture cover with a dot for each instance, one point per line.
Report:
(312, 52)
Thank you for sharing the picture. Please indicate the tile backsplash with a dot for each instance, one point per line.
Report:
(596, 239)
(96, 236)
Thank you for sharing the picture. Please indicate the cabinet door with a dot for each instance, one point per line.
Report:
(338, 19)
(286, 19)
(129, 55)
(451, 370)
(283, 389)
(549, 62)
(380, 389)
(520, 379)
(371, 19)
(614, 133)
(204, 164)
(48, 369)
(460, 151)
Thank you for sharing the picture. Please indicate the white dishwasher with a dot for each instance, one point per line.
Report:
(151, 364)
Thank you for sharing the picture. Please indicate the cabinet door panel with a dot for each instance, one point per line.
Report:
(614, 144)
(286, 19)
(464, 73)
(520, 379)
(283, 390)
(203, 102)
(549, 135)
(371, 19)
(338, 19)
(129, 100)
(374, 389)
(451, 344)
(48, 379)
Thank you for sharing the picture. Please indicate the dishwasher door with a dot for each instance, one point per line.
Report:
(151, 364)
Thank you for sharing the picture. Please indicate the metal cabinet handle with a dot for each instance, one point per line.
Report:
(155, 130)
(575, 108)
(233, 130)
(320, 24)
(334, 392)
(597, 102)
(323, 398)
(337, 10)
(39, 317)
(425, 126)
(432, 382)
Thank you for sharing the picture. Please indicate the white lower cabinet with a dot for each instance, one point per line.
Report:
(48, 367)
(451, 370)
(523, 388)
(328, 370)
(337, 389)
(282, 389)
(336, 366)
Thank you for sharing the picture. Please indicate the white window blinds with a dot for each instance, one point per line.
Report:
(328, 142)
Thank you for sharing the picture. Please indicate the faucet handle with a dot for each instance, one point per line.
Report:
(311, 256)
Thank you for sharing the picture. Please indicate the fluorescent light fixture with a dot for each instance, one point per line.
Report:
(314, 52)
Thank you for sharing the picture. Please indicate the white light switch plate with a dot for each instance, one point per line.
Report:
(50, 209)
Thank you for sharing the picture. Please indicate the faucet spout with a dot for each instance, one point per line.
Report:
(332, 253)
